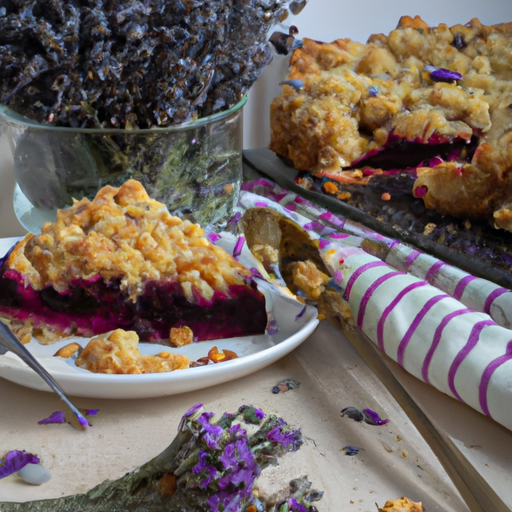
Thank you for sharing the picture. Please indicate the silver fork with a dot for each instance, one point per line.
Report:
(9, 342)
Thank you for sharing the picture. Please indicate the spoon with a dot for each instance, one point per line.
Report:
(9, 342)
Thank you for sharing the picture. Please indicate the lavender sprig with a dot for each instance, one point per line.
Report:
(212, 465)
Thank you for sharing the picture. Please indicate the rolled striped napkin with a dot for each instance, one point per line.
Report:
(444, 326)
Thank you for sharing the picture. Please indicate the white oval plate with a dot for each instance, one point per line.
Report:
(254, 353)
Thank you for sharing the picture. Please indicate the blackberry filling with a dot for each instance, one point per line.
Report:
(122, 261)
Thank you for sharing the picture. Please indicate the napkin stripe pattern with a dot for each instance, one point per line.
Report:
(461, 286)
(441, 324)
(414, 324)
(486, 377)
(472, 341)
(436, 340)
(369, 292)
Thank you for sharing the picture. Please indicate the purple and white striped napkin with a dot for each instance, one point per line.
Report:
(446, 327)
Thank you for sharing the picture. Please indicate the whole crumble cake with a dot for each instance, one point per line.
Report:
(123, 261)
(435, 101)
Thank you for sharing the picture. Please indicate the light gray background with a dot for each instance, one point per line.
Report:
(326, 20)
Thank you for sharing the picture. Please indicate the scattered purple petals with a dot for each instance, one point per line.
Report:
(351, 450)
(91, 412)
(285, 385)
(213, 237)
(238, 246)
(352, 413)
(373, 91)
(16, 460)
(55, 417)
(367, 415)
(272, 327)
(256, 273)
(444, 75)
(373, 418)
(301, 312)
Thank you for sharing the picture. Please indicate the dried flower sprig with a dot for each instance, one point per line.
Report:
(210, 466)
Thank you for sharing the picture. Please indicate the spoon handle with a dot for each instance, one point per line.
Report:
(8, 341)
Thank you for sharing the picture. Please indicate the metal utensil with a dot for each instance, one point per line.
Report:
(9, 342)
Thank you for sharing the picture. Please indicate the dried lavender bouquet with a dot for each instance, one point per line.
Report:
(210, 466)
(131, 63)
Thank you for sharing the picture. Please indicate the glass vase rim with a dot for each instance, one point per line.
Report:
(11, 116)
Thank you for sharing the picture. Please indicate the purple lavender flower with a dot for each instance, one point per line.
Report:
(373, 91)
(292, 505)
(230, 502)
(251, 414)
(211, 433)
(289, 439)
(373, 418)
(351, 450)
(237, 431)
(55, 417)
(443, 75)
(256, 273)
(16, 460)
(91, 412)
(228, 457)
(272, 327)
(192, 410)
(203, 467)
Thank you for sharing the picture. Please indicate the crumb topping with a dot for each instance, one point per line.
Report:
(124, 234)
(354, 95)
(118, 353)
(420, 84)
